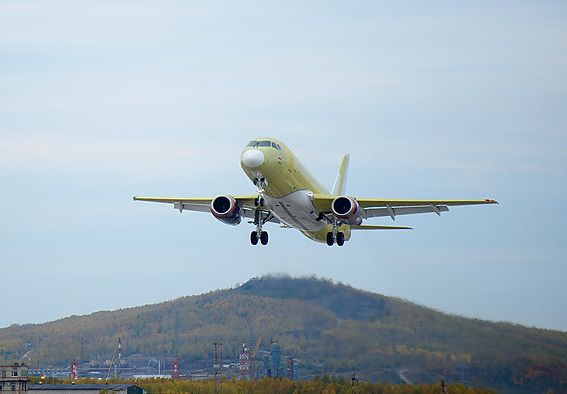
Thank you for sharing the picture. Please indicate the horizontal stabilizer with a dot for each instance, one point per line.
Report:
(374, 227)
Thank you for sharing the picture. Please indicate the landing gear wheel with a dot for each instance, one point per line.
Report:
(264, 238)
(254, 238)
(340, 239)
(330, 240)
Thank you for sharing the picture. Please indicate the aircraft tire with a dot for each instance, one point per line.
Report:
(264, 238)
(340, 239)
(330, 240)
(254, 238)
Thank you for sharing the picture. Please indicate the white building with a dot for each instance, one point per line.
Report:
(13, 378)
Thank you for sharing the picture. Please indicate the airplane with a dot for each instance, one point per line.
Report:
(289, 196)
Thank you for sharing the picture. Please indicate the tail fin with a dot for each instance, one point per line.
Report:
(340, 182)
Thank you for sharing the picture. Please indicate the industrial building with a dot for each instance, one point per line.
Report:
(276, 360)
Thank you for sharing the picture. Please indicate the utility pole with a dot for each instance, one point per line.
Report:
(217, 365)
(253, 358)
(117, 365)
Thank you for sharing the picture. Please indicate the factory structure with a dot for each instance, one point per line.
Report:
(250, 363)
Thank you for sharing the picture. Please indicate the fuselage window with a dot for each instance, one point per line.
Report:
(264, 143)
(252, 144)
(276, 146)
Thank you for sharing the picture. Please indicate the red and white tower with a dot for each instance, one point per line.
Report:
(74, 370)
(244, 363)
(175, 372)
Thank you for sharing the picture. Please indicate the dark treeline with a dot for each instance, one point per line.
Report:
(322, 385)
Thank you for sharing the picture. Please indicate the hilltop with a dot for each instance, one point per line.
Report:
(330, 328)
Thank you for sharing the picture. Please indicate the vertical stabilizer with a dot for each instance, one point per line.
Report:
(340, 182)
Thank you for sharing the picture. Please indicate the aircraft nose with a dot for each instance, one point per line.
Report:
(253, 158)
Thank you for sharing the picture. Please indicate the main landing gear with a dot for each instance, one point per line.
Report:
(339, 238)
(259, 233)
(263, 238)
(335, 236)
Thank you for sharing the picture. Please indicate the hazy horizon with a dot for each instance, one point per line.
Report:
(281, 275)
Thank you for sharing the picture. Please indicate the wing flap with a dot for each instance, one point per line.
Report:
(242, 200)
(322, 202)
(172, 200)
(393, 212)
(381, 202)
(373, 227)
(185, 206)
(203, 204)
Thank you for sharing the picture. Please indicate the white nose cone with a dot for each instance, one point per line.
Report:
(253, 158)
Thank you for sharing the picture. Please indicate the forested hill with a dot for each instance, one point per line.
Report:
(330, 328)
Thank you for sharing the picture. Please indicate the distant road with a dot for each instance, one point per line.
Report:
(402, 375)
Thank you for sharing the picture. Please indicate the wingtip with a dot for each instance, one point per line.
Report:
(135, 198)
(491, 201)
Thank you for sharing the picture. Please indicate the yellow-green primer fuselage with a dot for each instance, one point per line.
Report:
(288, 187)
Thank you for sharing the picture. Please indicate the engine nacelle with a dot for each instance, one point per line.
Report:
(347, 210)
(226, 209)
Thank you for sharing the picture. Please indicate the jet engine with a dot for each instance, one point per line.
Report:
(226, 209)
(347, 210)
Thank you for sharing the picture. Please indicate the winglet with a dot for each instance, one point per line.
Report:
(340, 181)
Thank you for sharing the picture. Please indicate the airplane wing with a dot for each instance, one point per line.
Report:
(203, 204)
(375, 207)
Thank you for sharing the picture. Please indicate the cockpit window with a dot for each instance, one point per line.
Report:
(255, 144)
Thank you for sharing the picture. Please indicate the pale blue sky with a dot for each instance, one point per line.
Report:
(100, 101)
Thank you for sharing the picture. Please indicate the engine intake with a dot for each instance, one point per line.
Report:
(347, 210)
(226, 209)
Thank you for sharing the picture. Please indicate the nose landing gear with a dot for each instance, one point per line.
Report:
(259, 218)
